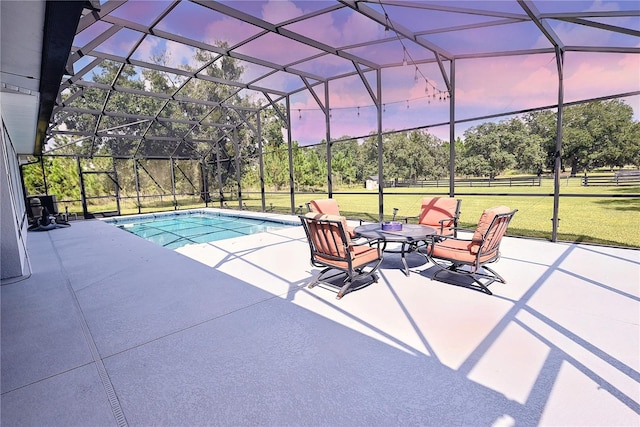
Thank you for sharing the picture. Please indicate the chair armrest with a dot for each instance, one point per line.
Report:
(438, 238)
(464, 230)
(443, 220)
(361, 241)
(407, 218)
(449, 219)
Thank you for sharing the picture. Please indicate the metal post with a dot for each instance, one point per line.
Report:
(290, 147)
(261, 162)
(452, 131)
(327, 124)
(44, 176)
(85, 211)
(135, 172)
(238, 174)
(205, 181)
(173, 184)
(219, 174)
(380, 149)
(117, 183)
(557, 164)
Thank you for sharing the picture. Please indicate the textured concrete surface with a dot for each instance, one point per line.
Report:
(112, 330)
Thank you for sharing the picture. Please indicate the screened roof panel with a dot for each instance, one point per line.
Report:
(223, 68)
(156, 148)
(206, 25)
(325, 66)
(281, 81)
(87, 98)
(91, 33)
(491, 7)
(172, 54)
(156, 81)
(576, 34)
(393, 52)
(189, 62)
(87, 121)
(277, 49)
(119, 125)
(102, 72)
(522, 36)
(121, 43)
(585, 6)
(131, 103)
(348, 27)
(430, 20)
(601, 74)
(254, 97)
(170, 129)
(142, 12)
(200, 95)
(250, 71)
(203, 132)
(82, 63)
(187, 149)
(630, 22)
(177, 110)
(112, 146)
(126, 76)
(276, 12)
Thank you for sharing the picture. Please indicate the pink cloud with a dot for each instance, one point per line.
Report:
(483, 86)
(357, 29)
(591, 75)
(278, 11)
(228, 29)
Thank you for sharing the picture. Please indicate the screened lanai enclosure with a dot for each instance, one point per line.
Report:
(176, 104)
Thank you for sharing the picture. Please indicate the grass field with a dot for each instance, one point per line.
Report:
(587, 214)
(584, 217)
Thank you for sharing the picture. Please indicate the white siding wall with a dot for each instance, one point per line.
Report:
(13, 215)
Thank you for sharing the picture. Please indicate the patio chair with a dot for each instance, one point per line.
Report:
(332, 248)
(441, 213)
(469, 257)
(329, 207)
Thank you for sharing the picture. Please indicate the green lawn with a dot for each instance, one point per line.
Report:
(604, 220)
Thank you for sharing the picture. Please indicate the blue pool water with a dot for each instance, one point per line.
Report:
(176, 230)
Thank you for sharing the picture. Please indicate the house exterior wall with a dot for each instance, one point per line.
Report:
(13, 214)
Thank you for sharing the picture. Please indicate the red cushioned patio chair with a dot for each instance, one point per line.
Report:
(329, 207)
(441, 213)
(469, 257)
(332, 248)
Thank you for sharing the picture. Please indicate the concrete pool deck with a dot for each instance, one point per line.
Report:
(112, 330)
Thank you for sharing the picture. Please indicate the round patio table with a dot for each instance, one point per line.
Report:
(409, 237)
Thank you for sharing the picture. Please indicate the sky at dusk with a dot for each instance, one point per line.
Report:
(414, 95)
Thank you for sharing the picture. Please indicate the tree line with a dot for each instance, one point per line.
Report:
(595, 135)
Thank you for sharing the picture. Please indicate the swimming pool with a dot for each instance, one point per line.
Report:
(175, 230)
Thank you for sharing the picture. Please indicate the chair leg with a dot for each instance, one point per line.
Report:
(358, 274)
(315, 281)
(483, 287)
(318, 277)
(457, 269)
(498, 277)
(344, 289)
